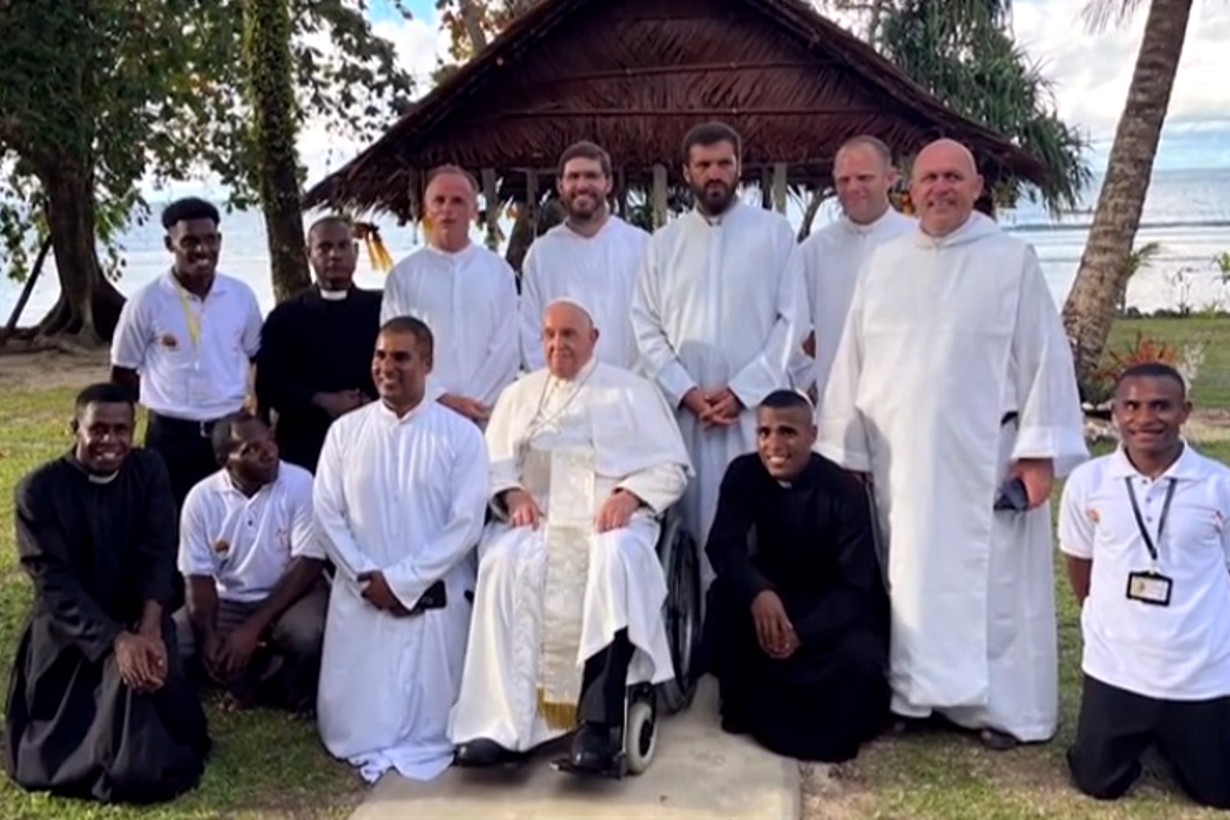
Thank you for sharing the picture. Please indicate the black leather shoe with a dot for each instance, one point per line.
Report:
(593, 748)
(482, 752)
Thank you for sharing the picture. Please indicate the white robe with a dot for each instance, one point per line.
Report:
(719, 305)
(405, 496)
(944, 338)
(599, 272)
(832, 258)
(636, 445)
(469, 301)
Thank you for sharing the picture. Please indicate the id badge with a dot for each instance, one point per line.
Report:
(1149, 588)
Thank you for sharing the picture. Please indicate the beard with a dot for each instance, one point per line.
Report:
(590, 206)
(713, 198)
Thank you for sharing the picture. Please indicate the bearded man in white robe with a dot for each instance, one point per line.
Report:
(954, 378)
(465, 293)
(568, 609)
(399, 497)
(863, 174)
(593, 256)
(719, 309)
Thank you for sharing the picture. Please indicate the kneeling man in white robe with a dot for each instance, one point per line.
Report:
(953, 380)
(400, 494)
(568, 609)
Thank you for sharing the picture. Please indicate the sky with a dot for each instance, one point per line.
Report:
(1090, 73)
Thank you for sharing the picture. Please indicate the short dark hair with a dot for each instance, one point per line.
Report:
(189, 208)
(786, 400)
(1153, 370)
(331, 219)
(585, 150)
(415, 327)
(867, 140)
(222, 438)
(104, 393)
(452, 170)
(711, 133)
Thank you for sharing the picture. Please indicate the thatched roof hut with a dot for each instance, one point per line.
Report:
(634, 76)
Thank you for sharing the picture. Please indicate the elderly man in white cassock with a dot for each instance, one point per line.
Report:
(568, 606)
(719, 308)
(400, 496)
(465, 293)
(954, 389)
(593, 256)
(863, 174)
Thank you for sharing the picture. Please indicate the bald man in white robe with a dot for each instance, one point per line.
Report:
(568, 608)
(953, 377)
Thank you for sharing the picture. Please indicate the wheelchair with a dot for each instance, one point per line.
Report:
(638, 738)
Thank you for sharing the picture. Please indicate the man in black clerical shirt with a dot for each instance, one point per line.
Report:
(99, 706)
(797, 625)
(315, 360)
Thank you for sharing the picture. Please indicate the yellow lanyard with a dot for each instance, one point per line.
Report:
(192, 317)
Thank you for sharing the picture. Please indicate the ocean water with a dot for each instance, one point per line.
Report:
(1187, 212)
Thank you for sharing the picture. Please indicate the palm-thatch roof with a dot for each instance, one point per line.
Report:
(634, 76)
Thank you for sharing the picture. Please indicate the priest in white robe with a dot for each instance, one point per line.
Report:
(954, 377)
(593, 256)
(863, 174)
(719, 308)
(465, 293)
(400, 495)
(568, 609)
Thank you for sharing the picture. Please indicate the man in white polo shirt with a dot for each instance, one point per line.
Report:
(184, 342)
(248, 549)
(1145, 532)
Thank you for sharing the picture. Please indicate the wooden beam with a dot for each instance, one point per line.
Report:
(491, 196)
(659, 196)
(689, 113)
(674, 70)
(779, 187)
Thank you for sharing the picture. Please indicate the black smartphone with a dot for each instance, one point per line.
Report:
(434, 598)
(1012, 496)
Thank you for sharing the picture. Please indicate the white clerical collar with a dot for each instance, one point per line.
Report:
(451, 254)
(333, 295)
(94, 478)
(716, 221)
(582, 374)
(870, 227)
(573, 232)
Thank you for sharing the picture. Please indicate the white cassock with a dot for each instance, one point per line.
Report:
(719, 303)
(549, 599)
(599, 272)
(407, 497)
(832, 258)
(469, 301)
(945, 339)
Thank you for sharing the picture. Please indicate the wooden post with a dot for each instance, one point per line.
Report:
(531, 198)
(415, 196)
(621, 193)
(659, 195)
(766, 188)
(779, 187)
(491, 196)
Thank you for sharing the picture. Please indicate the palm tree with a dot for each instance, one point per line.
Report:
(1104, 266)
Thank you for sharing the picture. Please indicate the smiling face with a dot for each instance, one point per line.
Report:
(399, 368)
(334, 255)
(944, 187)
(784, 438)
(863, 180)
(1150, 412)
(712, 172)
(568, 338)
(195, 244)
(584, 188)
(104, 436)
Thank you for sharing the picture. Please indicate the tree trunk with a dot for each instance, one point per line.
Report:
(471, 19)
(1104, 269)
(268, 65)
(814, 201)
(89, 305)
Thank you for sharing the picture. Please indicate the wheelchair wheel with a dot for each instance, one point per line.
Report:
(682, 615)
(640, 736)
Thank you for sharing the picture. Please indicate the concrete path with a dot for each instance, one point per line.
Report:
(699, 772)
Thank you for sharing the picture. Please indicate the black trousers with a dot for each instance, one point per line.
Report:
(604, 683)
(186, 448)
(1117, 726)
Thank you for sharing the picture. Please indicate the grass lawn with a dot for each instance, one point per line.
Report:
(270, 765)
(265, 764)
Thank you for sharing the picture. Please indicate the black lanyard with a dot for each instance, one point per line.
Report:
(1161, 521)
